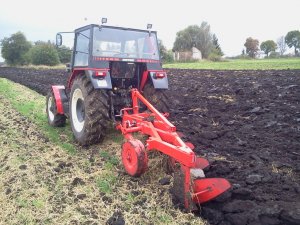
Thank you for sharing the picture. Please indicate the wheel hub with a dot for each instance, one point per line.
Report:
(80, 112)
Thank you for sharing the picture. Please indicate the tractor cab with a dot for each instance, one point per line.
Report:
(119, 57)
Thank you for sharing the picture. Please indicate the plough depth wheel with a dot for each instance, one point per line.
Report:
(134, 157)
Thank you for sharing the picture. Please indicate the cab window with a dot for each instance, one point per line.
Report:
(82, 48)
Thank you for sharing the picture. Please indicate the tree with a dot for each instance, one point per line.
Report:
(44, 54)
(217, 45)
(268, 46)
(15, 48)
(165, 55)
(251, 47)
(292, 39)
(281, 45)
(64, 54)
(194, 36)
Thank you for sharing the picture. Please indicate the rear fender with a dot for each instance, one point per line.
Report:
(98, 83)
(159, 83)
(61, 99)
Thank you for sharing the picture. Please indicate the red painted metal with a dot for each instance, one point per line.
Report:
(209, 188)
(134, 157)
(144, 79)
(190, 145)
(162, 136)
(59, 106)
(75, 73)
(201, 163)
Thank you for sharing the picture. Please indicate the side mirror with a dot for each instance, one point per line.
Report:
(58, 40)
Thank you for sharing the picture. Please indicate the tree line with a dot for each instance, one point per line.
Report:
(291, 40)
(17, 50)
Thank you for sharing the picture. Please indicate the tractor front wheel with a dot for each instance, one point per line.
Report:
(54, 119)
(89, 111)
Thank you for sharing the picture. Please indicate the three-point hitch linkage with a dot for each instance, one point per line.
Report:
(162, 136)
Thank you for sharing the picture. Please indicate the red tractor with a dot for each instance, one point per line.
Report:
(116, 75)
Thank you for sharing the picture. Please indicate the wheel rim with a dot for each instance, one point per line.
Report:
(50, 108)
(78, 110)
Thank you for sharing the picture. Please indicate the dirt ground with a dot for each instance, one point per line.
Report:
(247, 123)
(42, 183)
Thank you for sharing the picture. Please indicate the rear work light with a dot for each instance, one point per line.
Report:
(160, 75)
(100, 73)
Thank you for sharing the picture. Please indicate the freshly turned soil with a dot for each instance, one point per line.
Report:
(246, 123)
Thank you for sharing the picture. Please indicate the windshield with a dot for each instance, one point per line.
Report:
(110, 42)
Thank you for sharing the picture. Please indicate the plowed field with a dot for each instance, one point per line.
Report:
(246, 123)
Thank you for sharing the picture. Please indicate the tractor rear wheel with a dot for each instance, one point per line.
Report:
(89, 111)
(54, 119)
(157, 97)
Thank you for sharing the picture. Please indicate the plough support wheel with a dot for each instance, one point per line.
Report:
(134, 157)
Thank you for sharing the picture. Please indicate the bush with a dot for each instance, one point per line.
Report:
(215, 56)
(64, 54)
(167, 57)
(274, 55)
(44, 54)
(14, 49)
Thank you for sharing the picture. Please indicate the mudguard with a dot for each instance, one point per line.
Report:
(100, 83)
(61, 99)
(159, 83)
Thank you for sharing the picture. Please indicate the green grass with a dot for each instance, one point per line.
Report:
(241, 64)
(32, 105)
(106, 182)
(112, 159)
(43, 67)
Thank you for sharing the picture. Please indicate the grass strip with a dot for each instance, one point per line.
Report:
(33, 106)
(240, 64)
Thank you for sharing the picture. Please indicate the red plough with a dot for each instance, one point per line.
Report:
(162, 136)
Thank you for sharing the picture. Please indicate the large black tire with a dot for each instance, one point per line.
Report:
(54, 119)
(89, 111)
(157, 97)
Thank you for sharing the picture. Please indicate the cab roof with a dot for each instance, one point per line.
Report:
(112, 27)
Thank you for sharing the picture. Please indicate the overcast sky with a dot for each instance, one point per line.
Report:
(231, 20)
